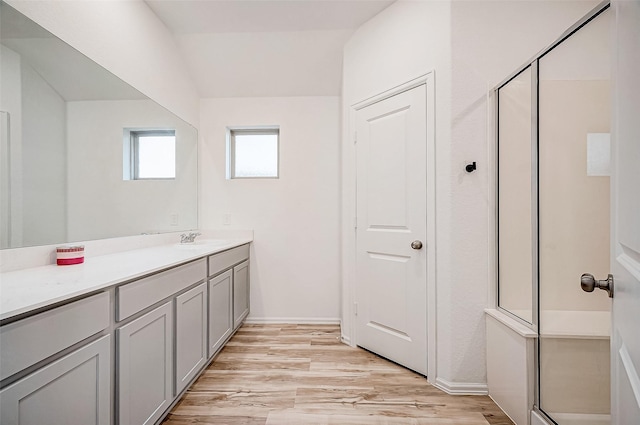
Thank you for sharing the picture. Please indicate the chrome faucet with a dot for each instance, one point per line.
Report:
(189, 237)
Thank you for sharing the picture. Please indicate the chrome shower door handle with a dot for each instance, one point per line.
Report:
(589, 283)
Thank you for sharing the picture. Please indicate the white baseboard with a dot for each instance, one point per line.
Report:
(345, 340)
(292, 320)
(461, 388)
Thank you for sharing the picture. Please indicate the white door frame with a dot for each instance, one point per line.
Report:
(428, 80)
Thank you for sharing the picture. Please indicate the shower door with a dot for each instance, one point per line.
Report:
(574, 225)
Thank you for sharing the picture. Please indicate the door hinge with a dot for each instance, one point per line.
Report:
(355, 309)
(355, 137)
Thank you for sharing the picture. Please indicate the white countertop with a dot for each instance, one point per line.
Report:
(29, 289)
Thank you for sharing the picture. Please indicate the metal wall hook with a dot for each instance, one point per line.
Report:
(470, 168)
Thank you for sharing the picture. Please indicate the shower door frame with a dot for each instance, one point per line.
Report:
(533, 63)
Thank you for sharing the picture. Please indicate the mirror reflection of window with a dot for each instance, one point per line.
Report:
(155, 155)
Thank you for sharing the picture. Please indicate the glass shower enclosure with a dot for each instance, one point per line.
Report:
(554, 216)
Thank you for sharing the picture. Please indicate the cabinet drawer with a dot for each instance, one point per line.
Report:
(138, 295)
(224, 260)
(28, 341)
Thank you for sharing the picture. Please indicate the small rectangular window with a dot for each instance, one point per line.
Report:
(253, 153)
(151, 155)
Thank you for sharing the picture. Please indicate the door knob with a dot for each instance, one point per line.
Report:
(589, 283)
(416, 244)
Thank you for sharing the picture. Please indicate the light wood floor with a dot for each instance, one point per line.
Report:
(303, 375)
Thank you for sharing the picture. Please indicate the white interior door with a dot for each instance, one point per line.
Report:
(391, 289)
(625, 333)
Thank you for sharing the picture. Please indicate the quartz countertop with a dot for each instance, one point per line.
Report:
(26, 290)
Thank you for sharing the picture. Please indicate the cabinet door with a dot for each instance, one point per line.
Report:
(145, 367)
(75, 390)
(191, 334)
(220, 310)
(240, 293)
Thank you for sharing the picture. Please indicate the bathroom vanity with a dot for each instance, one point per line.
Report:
(117, 340)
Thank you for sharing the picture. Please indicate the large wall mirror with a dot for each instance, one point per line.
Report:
(73, 138)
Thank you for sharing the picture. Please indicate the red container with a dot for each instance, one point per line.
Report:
(68, 255)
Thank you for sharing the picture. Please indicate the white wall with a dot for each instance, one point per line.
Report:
(44, 161)
(128, 39)
(295, 258)
(101, 203)
(472, 46)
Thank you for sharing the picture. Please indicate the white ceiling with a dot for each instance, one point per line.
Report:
(221, 16)
(257, 48)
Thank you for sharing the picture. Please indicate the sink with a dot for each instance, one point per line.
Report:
(202, 243)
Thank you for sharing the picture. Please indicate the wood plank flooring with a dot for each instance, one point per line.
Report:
(304, 375)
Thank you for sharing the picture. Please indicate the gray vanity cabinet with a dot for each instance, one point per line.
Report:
(240, 293)
(220, 310)
(58, 366)
(145, 367)
(228, 294)
(191, 335)
(74, 390)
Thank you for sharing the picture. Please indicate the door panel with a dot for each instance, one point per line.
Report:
(391, 213)
(75, 390)
(625, 347)
(220, 310)
(241, 295)
(191, 334)
(145, 366)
